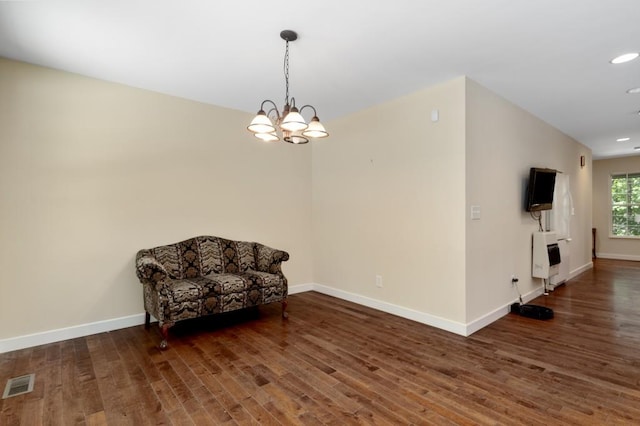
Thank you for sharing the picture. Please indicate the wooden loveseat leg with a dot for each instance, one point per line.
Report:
(147, 320)
(164, 330)
(285, 314)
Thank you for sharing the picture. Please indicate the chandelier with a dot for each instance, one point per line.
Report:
(289, 124)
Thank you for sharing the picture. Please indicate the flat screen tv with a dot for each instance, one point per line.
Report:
(540, 189)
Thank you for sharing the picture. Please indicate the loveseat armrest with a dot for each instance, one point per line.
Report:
(149, 269)
(269, 259)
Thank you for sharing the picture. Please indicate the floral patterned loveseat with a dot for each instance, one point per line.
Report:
(208, 275)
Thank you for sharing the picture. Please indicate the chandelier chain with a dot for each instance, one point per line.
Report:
(286, 73)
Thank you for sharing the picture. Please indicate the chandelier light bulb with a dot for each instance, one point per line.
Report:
(295, 137)
(267, 137)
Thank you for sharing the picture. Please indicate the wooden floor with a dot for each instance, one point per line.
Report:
(335, 362)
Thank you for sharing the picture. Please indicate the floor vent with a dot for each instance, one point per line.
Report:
(19, 385)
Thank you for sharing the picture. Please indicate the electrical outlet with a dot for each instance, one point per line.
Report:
(514, 280)
(379, 281)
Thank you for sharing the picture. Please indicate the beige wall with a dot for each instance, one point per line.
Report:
(91, 171)
(503, 142)
(392, 195)
(388, 199)
(613, 248)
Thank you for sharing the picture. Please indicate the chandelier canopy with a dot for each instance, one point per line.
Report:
(289, 124)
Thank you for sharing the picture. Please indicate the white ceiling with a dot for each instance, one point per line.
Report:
(551, 57)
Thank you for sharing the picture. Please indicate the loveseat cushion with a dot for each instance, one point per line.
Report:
(272, 286)
(226, 283)
(215, 293)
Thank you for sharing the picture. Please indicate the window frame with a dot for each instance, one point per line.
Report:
(628, 202)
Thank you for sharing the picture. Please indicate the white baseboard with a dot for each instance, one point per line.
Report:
(58, 335)
(618, 256)
(580, 270)
(421, 317)
(51, 336)
(301, 288)
(487, 319)
(495, 315)
(21, 342)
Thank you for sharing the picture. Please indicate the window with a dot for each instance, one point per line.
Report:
(625, 205)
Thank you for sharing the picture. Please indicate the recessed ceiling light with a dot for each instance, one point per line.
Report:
(622, 139)
(625, 58)
(634, 90)
(637, 148)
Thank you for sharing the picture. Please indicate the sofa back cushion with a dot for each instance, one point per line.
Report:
(189, 253)
(205, 255)
(211, 256)
(246, 255)
(238, 256)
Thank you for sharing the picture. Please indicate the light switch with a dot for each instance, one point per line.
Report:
(475, 212)
(435, 115)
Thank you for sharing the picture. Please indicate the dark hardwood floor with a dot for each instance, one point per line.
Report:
(334, 362)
